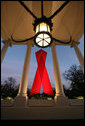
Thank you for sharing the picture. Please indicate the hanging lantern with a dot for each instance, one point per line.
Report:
(42, 28)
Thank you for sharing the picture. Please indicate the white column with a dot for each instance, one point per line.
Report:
(57, 77)
(79, 55)
(22, 100)
(4, 49)
(24, 78)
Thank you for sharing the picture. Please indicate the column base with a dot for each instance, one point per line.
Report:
(21, 101)
(61, 100)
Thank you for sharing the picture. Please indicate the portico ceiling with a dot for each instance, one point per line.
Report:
(16, 21)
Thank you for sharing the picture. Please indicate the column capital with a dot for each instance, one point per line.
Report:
(30, 43)
(73, 43)
(8, 42)
(52, 45)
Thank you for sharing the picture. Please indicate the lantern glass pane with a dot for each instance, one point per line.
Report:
(40, 36)
(37, 28)
(48, 28)
(40, 43)
(38, 39)
(45, 43)
(42, 27)
(46, 36)
(48, 40)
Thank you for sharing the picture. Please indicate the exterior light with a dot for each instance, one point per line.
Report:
(42, 28)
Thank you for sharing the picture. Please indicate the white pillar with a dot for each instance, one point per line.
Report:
(59, 96)
(79, 55)
(4, 49)
(57, 77)
(22, 99)
(24, 78)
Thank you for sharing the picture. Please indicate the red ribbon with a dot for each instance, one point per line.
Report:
(41, 75)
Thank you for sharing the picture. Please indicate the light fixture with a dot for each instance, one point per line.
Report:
(43, 27)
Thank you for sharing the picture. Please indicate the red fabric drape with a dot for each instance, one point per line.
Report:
(41, 76)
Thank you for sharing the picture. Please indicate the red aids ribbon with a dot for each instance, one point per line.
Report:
(41, 75)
